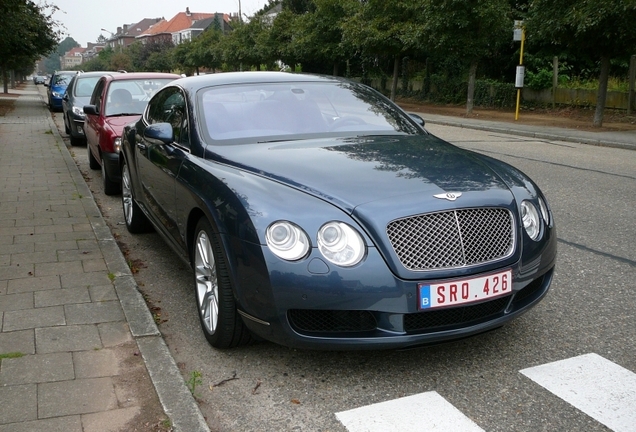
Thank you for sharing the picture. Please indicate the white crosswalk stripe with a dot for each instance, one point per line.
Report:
(600, 388)
(421, 412)
(594, 385)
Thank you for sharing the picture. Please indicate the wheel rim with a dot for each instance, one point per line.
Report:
(207, 282)
(126, 195)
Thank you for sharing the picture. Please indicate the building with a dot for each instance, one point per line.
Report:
(72, 58)
(128, 33)
(219, 21)
(163, 31)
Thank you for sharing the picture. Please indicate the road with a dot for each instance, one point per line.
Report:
(475, 384)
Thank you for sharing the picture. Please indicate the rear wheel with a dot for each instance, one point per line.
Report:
(220, 321)
(136, 220)
(110, 187)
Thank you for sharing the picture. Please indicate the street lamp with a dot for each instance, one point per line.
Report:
(108, 31)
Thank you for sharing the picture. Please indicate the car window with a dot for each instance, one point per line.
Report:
(302, 109)
(84, 86)
(130, 96)
(169, 106)
(96, 98)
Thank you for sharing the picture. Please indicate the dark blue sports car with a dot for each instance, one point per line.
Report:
(315, 213)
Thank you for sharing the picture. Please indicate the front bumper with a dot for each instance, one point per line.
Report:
(306, 306)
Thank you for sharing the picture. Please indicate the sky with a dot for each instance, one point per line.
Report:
(84, 19)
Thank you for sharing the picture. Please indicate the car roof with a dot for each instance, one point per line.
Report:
(195, 82)
(142, 75)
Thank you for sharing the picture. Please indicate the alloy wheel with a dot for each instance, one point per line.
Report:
(207, 282)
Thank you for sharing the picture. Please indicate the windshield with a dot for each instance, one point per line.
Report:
(63, 79)
(266, 112)
(130, 97)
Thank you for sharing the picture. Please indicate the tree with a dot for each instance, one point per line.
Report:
(600, 28)
(27, 32)
(319, 36)
(471, 30)
(52, 62)
(380, 28)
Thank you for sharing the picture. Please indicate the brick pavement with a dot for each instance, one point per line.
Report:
(79, 350)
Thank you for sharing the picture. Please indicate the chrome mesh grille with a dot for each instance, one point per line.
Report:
(455, 238)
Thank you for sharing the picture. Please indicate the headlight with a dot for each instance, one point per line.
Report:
(544, 211)
(341, 244)
(287, 240)
(56, 94)
(530, 218)
(117, 144)
(78, 111)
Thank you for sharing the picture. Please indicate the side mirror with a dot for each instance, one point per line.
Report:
(419, 120)
(90, 109)
(65, 97)
(159, 133)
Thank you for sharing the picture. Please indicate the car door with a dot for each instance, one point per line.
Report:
(92, 122)
(158, 163)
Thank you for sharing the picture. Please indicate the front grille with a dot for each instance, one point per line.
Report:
(452, 239)
(331, 321)
(451, 317)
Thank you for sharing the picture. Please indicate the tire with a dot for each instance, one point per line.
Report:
(136, 220)
(67, 128)
(92, 162)
(110, 187)
(222, 325)
(75, 141)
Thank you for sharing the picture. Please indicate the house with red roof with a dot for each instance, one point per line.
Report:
(165, 30)
(126, 35)
(72, 58)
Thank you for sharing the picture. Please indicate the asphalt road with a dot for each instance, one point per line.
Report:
(590, 309)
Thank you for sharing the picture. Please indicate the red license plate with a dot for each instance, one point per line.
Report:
(462, 291)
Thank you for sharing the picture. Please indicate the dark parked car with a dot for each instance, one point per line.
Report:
(118, 99)
(78, 93)
(315, 213)
(56, 88)
(39, 79)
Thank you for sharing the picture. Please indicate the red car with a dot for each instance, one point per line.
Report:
(118, 99)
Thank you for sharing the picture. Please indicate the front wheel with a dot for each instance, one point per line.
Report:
(110, 187)
(220, 321)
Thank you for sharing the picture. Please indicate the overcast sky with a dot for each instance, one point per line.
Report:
(84, 19)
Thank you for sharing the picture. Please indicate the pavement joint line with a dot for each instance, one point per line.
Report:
(176, 399)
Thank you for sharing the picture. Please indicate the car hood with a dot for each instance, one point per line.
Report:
(366, 174)
(117, 123)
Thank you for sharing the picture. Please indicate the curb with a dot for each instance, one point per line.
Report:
(176, 399)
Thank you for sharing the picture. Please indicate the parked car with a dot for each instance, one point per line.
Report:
(39, 79)
(118, 99)
(315, 213)
(56, 88)
(78, 93)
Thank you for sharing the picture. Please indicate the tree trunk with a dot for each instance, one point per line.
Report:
(394, 83)
(5, 81)
(601, 96)
(335, 68)
(472, 73)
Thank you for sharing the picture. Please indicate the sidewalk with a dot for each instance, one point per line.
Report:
(625, 140)
(72, 322)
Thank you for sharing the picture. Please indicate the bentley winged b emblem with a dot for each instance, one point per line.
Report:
(451, 196)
